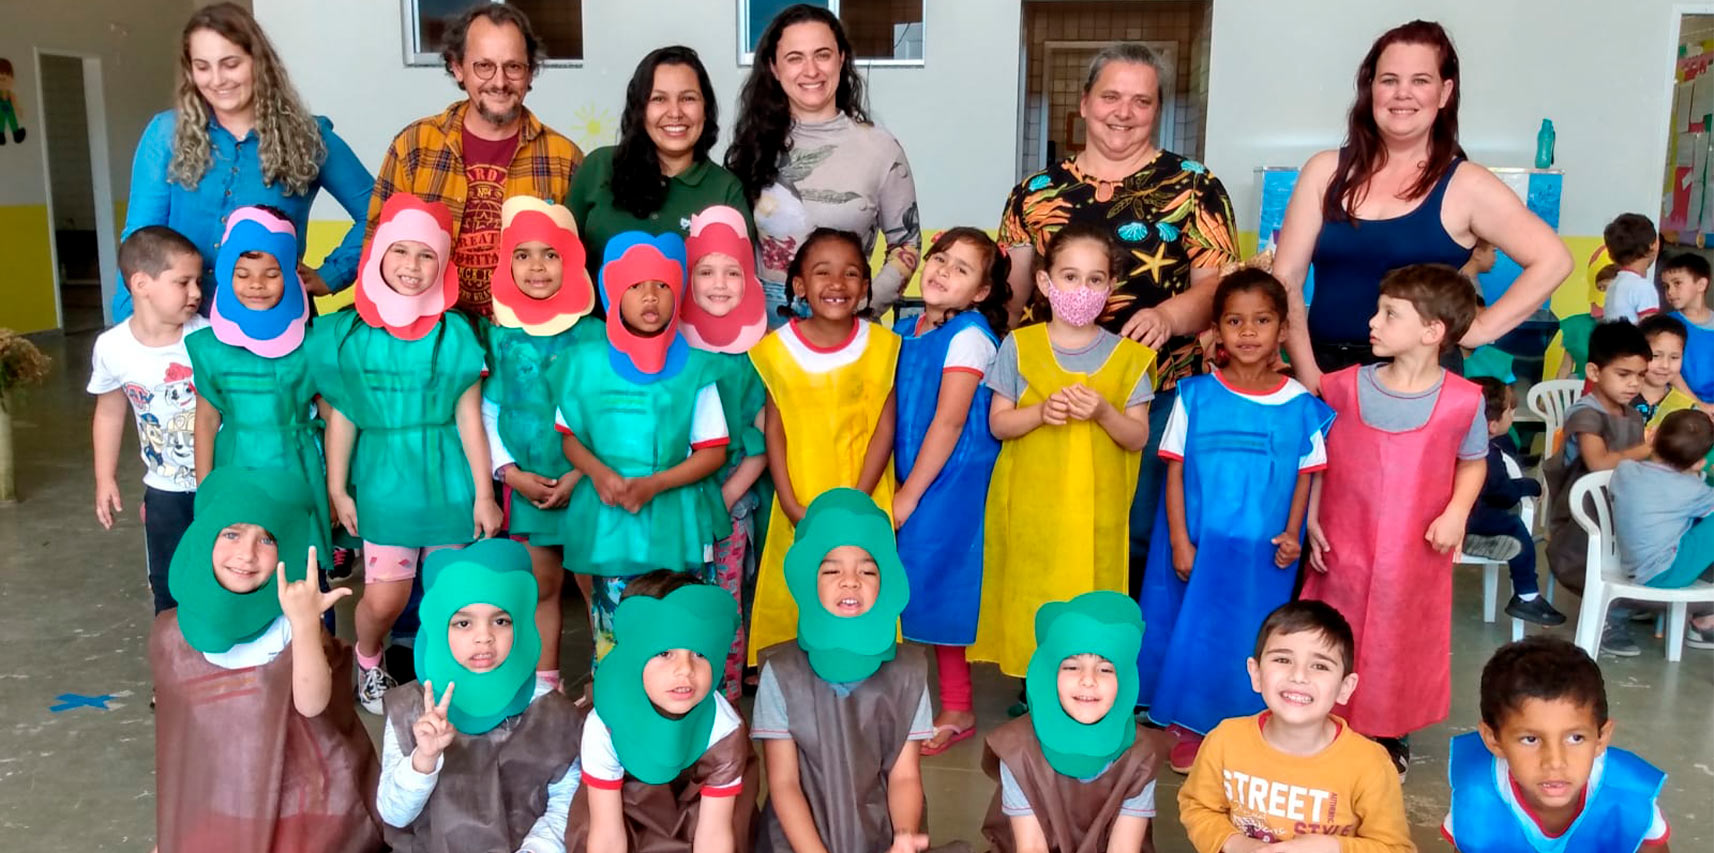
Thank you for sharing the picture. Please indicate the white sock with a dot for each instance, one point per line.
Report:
(1529, 596)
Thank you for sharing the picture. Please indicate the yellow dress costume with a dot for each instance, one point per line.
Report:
(1059, 505)
(829, 419)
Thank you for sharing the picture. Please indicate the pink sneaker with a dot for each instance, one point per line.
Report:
(1183, 755)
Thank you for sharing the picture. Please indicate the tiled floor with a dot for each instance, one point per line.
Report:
(74, 614)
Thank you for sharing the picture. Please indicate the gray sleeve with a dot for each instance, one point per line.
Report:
(1702, 503)
(1475, 444)
(768, 719)
(1004, 378)
(922, 722)
(899, 224)
(1144, 390)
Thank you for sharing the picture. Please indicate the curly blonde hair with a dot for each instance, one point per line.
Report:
(288, 138)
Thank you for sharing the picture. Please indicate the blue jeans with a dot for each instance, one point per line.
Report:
(1151, 480)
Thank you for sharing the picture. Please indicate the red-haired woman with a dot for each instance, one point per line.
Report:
(1401, 192)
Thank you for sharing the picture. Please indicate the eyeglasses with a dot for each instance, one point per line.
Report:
(485, 69)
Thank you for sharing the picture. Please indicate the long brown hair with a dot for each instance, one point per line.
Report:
(1363, 153)
(288, 137)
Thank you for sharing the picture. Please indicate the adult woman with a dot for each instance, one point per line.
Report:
(659, 173)
(238, 136)
(809, 157)
(1170, 218)
(1400, 192)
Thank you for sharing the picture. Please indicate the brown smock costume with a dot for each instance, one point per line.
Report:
(493, 787)
(239, 770)
(1075, 816)
(662, 818)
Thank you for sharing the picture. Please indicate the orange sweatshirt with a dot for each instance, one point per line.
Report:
(1242, 785)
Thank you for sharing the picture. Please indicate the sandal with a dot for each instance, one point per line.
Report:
(958, 734)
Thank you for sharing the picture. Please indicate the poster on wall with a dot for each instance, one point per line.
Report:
(11, 115)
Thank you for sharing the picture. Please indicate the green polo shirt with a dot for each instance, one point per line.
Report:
(591, 201)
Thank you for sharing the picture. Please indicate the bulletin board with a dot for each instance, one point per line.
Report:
(1687, 203)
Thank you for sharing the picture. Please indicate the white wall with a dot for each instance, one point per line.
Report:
(956, 115)
(1283, 70)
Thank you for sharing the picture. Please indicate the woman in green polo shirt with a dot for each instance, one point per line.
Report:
(659, 173)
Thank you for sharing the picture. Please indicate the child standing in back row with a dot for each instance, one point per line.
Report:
(407, 458)
(1633, 244)
(1071, 406)
(1382, 534)
(944, 456)
(830, 409)
(143, 361)
(1222, 559)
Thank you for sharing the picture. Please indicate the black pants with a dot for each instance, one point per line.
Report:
(165, 517)
(1334, 355)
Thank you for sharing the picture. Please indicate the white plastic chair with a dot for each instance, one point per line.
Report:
(1549, 400)
(1604, 581)
(1491, 568)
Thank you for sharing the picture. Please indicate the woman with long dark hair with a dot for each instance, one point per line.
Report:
(659, 173)
(1401, 192)
(239, 135)
(809, 156)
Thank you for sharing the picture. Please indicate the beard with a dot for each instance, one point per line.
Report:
(499, 118)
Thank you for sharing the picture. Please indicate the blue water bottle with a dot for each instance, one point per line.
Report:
(1544, 145)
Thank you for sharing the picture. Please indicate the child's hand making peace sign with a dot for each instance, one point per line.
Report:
(431, 730)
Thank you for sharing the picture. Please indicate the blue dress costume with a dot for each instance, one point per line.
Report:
(941, 545)
(1241, 467)
(1618, 810)
(1698, 366)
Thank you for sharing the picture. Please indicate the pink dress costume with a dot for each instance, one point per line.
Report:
(1377, 501)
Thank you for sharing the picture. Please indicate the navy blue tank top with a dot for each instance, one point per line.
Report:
(1352, 256)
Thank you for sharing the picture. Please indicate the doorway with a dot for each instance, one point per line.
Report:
(80, 194)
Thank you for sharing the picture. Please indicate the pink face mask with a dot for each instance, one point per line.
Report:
(1076, 307)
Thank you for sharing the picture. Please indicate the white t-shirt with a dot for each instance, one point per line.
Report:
(1178, 424)
(707, 422)
(602, 769)
(814, 359)
(1630, 297)
(969, 351)
(258, 652)
(157, 382)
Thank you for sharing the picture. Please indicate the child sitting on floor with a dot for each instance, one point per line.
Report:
(1538, 774)
(258, 748)
(491, 764)
(1077, 773)
(842, 711)
(1495, 530)
(1295, 773)
(666, 760)
(1661, 507)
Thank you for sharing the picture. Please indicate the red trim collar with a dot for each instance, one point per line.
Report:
(856, 325)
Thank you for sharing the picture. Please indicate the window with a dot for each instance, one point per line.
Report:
(886, 32)
(558, 23)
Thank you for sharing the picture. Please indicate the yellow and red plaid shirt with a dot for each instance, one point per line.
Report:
(426, 159)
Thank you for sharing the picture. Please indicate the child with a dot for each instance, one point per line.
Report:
(1574, 330)
(1600, 429)
(143, 360)
(666, 759)
(1077, 773)
(1495, 529)
(404, 431)
(256, 750)
(642, 420)
(492, 764)
(1656, 396)
(1632, 244)
(1686, 278)
(1538, 775)
(541, 289)
(944, 457)
(1071, 406)
(1222, 558)
(726, 315)
(1382, 534)
(254, 390)
(1295, 774)
(829, 412)
(843, 710)
(1660, 512)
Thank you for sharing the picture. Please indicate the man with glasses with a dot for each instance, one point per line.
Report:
(483, 149)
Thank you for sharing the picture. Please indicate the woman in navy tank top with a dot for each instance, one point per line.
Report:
(1398, 193)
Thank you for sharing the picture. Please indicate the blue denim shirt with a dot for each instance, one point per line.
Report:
(233, 180)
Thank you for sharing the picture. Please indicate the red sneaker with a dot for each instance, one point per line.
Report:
(1183, 755)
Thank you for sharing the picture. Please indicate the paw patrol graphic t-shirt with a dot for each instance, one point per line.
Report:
(157, 382)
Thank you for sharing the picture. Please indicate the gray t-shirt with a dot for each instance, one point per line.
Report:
(1395, 411)
(1653, 507)
(770, 720)
(1008, 382)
